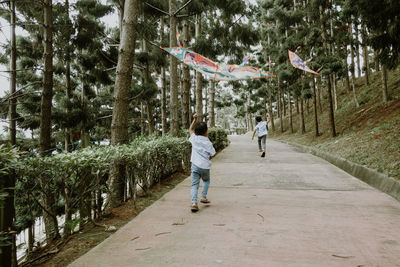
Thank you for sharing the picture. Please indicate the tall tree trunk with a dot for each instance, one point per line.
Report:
(7, 212)
(68, 90)
(205, 97)
(7, 216)
(212, 104)
(173, 104)
(302, 124)
(199, 78)
(68, 213)
(297, 106)
(327, 52)
(280, 107)
(265, 107)
(290, 112)
(315, 107)
(142, 120)
(186, 80)
(271, 114)
(150, 117)
(251, 127)
(123, 79)
(163, 88)
(319, 89)
(346, 75)
(332, 77)
(376, 61)
(365, 53)
(149, 101)
(357, 50)
(283, 103)
(332, 46)
(353, 76)
(385, 93)
(13, 76)
(51, 225)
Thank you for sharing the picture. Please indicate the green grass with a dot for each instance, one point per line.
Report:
(367, 135)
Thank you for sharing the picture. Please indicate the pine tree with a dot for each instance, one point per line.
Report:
(119, 126)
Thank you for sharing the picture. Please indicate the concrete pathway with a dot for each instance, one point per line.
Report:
(288, 209)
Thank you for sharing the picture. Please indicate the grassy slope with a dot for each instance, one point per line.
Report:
(368, 135)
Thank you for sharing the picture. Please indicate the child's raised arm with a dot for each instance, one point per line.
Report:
(191, 129)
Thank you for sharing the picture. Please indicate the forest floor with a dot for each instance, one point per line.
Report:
(368, 135)
(64, 252)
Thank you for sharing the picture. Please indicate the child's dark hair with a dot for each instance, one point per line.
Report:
(258, 118)
(200, 128)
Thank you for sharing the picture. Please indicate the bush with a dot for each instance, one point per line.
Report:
(80, 178)
(219, 138)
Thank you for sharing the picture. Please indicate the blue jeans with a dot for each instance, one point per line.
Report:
(198, 173)
(261, 142)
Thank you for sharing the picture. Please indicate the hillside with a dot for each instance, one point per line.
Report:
(368, 135)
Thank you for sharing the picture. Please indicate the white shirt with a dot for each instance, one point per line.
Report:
(202, 150)
(261, 128)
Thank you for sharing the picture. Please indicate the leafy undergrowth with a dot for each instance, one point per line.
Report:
(91, 235)
(368, 135)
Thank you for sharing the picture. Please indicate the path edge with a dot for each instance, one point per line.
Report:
(380, 181)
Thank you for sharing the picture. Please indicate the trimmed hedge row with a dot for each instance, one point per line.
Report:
(77, 181)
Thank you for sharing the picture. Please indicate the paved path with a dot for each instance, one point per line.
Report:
(288, 209)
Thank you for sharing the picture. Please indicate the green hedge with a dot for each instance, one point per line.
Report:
(80, 178)
(219, 138)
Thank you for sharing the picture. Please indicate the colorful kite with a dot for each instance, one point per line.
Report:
(219, 71)
(251, 56)
(297, 62)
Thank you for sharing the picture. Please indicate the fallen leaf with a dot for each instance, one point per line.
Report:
(343, 257)
(136, 237)
(237, 184)
(178, 223)
(260, 216)
(143, 248)
(163, 233)
(218, 224)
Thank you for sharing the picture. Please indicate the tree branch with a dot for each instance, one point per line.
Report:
(182, 7)
(156, 8)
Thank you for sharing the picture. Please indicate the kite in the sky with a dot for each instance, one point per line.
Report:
(219, 71)
(297, 62)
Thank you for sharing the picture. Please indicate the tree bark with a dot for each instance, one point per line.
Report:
(7, 216)
(164, 129)
(290, 113)
(385, 93)
(315, 107)
(280, 113)
(271, 114)
(365, 54)
(146, 81)
(357, 50)
(68, 90)
(51, 224)
(186, 80)
(142, 121)
(353, 76)
(123, 79)
(302, 124)
(376, 61)
(212, 104)
(319, 88)
(346, 69)
(327, 52)
(173, 104)
(199, 78)
(13, 76)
